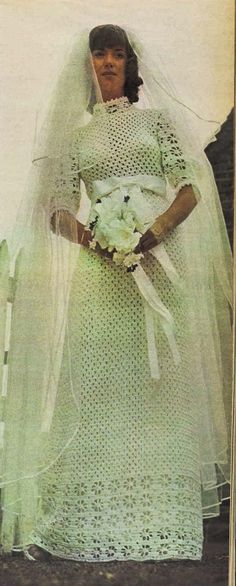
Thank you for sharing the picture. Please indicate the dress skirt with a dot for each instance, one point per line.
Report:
(127, 483)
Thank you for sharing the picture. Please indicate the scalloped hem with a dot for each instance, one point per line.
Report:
(171, 555)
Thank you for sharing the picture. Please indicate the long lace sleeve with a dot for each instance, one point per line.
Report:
(176, 168)
(65, 183)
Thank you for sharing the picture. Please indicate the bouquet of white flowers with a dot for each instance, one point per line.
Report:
(117, 223)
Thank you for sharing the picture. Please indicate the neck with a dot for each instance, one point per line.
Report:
(106, 95)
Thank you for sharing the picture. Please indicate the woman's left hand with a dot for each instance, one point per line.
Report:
(180, 208)
(154, 235)
(146, 242)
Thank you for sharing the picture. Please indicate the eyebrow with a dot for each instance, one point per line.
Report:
(116, 48)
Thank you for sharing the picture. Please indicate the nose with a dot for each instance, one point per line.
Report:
(108, 59)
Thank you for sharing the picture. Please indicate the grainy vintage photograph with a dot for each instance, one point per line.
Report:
(116, 272)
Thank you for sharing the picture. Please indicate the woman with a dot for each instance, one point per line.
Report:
(116, 442)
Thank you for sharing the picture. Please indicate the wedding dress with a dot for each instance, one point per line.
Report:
(129, 485)
(115, 423)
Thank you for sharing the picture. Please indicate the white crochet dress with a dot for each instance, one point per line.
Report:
(128, 485)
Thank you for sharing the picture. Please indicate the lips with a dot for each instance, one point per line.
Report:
(109, 73)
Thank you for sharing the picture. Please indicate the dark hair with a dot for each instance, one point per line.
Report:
(109, 35)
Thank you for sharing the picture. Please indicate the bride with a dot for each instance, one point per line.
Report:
(116, 418)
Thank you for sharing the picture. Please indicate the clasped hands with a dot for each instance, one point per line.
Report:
(149, 239)
(64, 223)
(67, 225)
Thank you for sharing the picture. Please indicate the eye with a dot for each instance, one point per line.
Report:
(120, 54)
(98, 53)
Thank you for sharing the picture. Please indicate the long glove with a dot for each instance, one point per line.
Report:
(64, 223)
(179, 210)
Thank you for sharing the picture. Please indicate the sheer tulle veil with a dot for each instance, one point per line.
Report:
(43, 264)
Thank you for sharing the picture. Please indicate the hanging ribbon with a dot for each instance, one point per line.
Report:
(153, 306)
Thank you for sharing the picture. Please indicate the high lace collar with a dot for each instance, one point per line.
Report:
(111, 106)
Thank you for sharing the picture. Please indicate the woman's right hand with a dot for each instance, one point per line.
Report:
(64, 223)
(85, 237)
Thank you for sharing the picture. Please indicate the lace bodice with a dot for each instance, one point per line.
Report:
(120, 139)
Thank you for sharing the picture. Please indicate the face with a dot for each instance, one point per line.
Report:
(109, 65)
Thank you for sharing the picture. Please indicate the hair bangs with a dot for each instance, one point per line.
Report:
(107, 36)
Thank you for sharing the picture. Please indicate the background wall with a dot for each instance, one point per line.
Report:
(194, 39)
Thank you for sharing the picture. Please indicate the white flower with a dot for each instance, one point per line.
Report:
(110, 206)
(92, 244)
(128, 218)
(128, 260)
(120, 236)
(118, 257)
(100, 235)
(132, 258)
